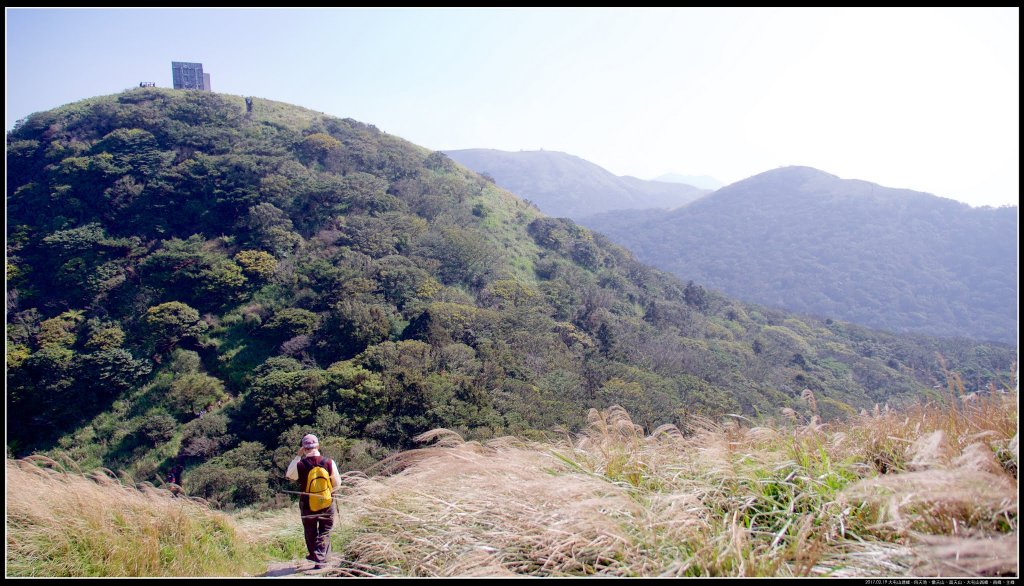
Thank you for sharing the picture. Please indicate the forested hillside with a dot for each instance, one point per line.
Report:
(190, 280)
(810, 242)
(564, 185)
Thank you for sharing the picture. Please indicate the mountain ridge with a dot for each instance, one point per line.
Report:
(561, 184)
(701, 181)
(821, 231)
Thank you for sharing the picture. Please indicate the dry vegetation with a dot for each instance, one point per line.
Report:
(929, 491)
(67, 524)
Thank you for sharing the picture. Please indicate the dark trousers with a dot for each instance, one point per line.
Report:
(317, 530)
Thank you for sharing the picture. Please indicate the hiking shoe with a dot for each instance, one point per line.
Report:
(310, 557)
(318, 567)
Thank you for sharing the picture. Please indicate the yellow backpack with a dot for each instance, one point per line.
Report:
(318, 487)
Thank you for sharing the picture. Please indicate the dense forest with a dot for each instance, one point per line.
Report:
(809, 242)
(561, 184)
(188, 280)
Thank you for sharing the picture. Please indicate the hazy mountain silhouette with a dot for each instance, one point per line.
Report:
(568, 186)
(701, 181)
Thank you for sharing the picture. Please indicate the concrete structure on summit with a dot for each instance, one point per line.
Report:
(189, 76)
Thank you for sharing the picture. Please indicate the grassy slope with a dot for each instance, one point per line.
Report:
(71, 524)
(927, 492)
(732, 500)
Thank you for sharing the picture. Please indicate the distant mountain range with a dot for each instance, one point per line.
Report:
(701, 181)
(564, 185)
(810, 242)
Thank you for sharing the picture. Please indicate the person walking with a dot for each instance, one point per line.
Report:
(308, 469)
(174, 479)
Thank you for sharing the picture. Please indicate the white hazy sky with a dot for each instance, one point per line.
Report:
(925, 99)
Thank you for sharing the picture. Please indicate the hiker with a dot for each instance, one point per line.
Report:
(174, 479)
(317, 510)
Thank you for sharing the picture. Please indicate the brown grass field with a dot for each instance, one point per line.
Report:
(929, 491)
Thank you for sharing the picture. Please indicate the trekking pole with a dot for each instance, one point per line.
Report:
(334, 490)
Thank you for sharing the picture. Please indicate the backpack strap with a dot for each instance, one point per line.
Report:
(321, 462)
(326, 464)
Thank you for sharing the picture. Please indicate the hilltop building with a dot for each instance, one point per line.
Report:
(189, 76)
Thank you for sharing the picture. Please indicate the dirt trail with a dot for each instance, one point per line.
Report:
(298, 569)
(335, 567)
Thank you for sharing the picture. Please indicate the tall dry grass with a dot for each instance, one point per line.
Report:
(64, 523)
(929, 491)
